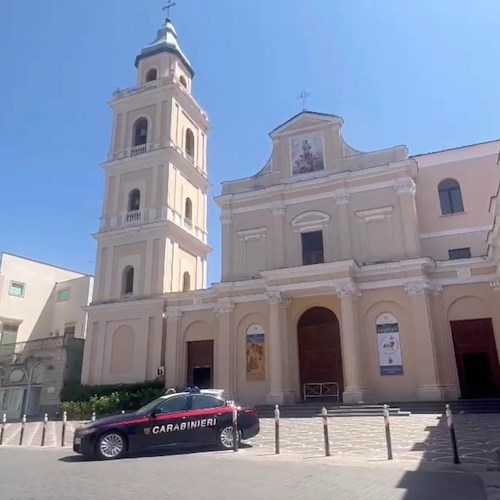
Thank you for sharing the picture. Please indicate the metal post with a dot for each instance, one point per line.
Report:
(93, 417)
(277, 430)
(235, 429)
(451, 428)
(21, 435)
(44, 429)
(30, 378)
(2, 430)
(388, 432)
(63, 435)
(324, 414)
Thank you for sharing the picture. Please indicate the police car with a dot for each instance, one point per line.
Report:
(192, 416)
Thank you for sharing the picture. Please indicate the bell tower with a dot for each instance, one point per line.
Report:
(152, 237)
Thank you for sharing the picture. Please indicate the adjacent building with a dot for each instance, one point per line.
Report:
(42, 331)
(358, 276)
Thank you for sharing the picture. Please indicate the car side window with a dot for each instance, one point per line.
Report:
(203, 401)
(172, 405)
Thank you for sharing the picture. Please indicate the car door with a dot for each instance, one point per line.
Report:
(204, 417)
(165, 424)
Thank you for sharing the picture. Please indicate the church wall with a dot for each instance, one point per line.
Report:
(183, 261)
(129, 254)
(438, 247)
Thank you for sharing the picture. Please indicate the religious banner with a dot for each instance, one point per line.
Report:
(255, 353)
(389, 346)
(307, 154)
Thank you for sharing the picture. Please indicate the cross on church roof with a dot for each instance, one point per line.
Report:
(167, 7)
(304, 95)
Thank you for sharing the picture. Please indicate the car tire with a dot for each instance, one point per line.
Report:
(111, 445)
(225, 437)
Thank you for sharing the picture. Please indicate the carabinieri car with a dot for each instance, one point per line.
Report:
(192, 416)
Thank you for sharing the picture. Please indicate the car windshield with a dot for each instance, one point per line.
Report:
(151, 405)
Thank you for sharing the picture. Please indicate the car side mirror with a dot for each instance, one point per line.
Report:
(153, 414)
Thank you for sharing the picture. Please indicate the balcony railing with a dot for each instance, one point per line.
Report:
(31, 346)
(133, 216)
(309, 258)
(138, 150)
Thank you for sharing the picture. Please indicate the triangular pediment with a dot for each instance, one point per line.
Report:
(304, 121)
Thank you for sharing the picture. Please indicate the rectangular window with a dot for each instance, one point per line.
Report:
(459, 253)
(63, 295)
(16, 289)
(312, 248)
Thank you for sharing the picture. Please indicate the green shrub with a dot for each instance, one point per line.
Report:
(101, 405)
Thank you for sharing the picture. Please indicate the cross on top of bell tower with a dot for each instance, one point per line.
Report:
(167, 7)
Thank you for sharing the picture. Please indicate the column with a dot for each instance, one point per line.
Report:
(424, 346)
(277, 240)
(405, 187)
(226, 255)
(447, 366)
(173, 316)
(277, 305)
(352, 355)
(224, 363)
(342, 201)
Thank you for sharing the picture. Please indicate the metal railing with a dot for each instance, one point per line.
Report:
(321, 390)
(133, 216)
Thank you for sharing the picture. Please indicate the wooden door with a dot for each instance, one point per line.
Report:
(200, 363)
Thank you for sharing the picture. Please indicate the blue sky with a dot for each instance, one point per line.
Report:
(424, 74)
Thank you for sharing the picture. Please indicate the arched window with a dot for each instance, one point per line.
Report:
(186, 282)
(128, 281)
(134, 200)
(188, 209)
(450, 197)
(140, 132)
(183, 82)
(151, 75)
(189, 143)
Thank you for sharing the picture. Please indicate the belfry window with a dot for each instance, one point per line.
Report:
(128, 281)
(151, 75)
(134, 200)
(188, 210)
(186, 282)
(140, 132)
(189, 143)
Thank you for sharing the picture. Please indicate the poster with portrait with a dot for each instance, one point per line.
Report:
(307, 153)
(389, 346)
(255, 353)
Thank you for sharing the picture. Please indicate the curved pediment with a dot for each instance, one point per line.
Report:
(310, 217)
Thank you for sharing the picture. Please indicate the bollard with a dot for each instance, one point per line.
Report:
(123, 412)
(277, 430)
(324, 414)
(44, 429)
(21, 435)
(93, 417)
(388, 432)
(451, 428)
(63, 434)
(2, 429)
(235, 429)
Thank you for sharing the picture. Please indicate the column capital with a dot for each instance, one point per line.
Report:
(277, 209)
(172, 313)
(495, 284)
(422, 287)
(405, 185)
(347, 289)
(223, 307)
(226, 218)
(341, 197)
(276, 297)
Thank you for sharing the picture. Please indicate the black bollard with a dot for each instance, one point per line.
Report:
(2, 429)
(277, 430)
(44, 429)
(235, 429)
(21, 435)
(388, 432)
(63, 434)
(453, 437)
(324, 414)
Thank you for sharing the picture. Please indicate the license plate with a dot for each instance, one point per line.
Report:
(78, 440)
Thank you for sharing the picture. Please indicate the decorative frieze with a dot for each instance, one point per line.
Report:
(172, 313)
(423, 286)
(223, 307)
(347, 289)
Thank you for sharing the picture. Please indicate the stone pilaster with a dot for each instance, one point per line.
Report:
(354, 388)
(227, 242)
(278, 243)
(225, 355)
(405, 188)
(342, 201)
(173, 316)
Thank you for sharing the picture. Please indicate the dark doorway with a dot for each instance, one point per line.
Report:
(200, 363)
(477, 358)
(320, 354)
(202, 377)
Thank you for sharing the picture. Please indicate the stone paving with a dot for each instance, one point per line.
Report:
(418, 437)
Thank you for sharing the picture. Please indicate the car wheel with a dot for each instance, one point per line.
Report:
(111, 445)
(225, 440)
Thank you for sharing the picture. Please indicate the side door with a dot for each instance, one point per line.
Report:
(164, 426)
(205, 417)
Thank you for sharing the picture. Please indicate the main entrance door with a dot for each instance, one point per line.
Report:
(200, 363)
(477, 358)
(320, 355)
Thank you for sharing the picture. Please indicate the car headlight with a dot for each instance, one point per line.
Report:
(85, 431)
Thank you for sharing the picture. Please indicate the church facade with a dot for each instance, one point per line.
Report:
(355, 276)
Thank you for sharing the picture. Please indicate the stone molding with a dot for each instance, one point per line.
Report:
(405, 186)
(347, 289)
(341, 197)
(422, 287)
(172, 313)
(223, 307)
(226, 219)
